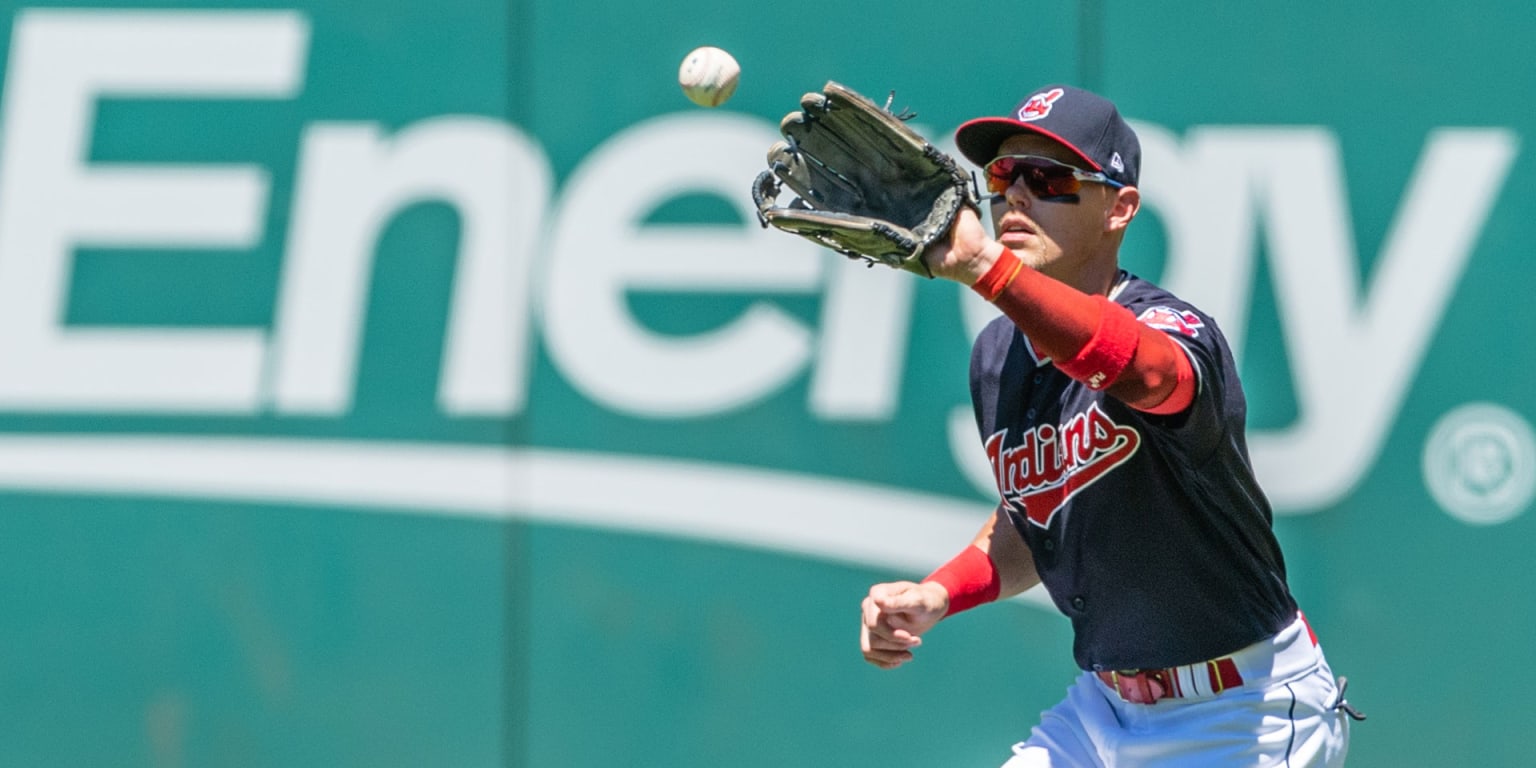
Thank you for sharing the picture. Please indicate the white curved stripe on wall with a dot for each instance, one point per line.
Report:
(866, 525)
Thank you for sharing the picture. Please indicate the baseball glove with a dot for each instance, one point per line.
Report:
(868, 186)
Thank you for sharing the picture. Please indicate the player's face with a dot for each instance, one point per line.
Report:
(1054, 235)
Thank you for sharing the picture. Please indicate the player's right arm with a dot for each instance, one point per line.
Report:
(996, 564)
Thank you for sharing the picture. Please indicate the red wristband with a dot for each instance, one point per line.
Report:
(1106, 355)
(1003, 271)
(971, 579)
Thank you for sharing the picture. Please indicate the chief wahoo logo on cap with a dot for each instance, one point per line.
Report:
(1039, 105)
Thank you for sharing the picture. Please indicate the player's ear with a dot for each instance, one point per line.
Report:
(1122, 208)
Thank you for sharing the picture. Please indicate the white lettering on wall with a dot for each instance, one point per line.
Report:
(575, 262)
(1353, 349)
(352, 181)
(599, 251)
(52, 201)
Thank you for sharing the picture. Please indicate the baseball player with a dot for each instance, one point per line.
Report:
(1113, 418)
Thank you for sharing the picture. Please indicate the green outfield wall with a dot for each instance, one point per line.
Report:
(406, 383)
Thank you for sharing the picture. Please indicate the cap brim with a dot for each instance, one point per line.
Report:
(979, 139)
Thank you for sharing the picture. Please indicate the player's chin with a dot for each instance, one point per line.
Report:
(1027, 250)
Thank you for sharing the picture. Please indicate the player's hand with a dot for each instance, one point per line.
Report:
(967, 253)
(896, 615)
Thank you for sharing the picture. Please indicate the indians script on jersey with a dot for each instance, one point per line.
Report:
(1050, 464)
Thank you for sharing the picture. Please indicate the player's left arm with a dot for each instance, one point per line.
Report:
(1097, 342)
(1090, 338)
(1159, 377)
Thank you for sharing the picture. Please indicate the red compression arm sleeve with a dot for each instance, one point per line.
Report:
(1183, 392)
(1094, 340)
(971, 579)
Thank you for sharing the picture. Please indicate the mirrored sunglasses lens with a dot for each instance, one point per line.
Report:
(1057, 182)
(1000, 174)
(1043, 178)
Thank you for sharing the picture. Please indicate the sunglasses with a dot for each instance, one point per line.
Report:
(1046, 179)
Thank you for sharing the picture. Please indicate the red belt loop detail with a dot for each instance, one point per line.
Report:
(1224, 674)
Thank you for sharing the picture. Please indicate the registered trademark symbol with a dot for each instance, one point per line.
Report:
(1480, 463)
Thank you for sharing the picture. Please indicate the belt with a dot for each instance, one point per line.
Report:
(1290, 651)
(1147, 686)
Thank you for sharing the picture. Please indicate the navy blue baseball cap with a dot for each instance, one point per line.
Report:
(1084, 122)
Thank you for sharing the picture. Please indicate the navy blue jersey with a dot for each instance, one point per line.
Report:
(1150, 532)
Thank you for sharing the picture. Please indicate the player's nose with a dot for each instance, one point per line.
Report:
(1017, 194)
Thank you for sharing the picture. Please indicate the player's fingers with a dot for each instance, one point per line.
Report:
(908, 614)
(881, 652)
(877, 627)
(867, 637)
(882, 644)
(877, 636)
(871, 610)
(895, 596)
(887, 659)
(908, 601)
(884, 640)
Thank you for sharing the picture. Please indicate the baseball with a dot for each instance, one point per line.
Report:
(708, 76)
